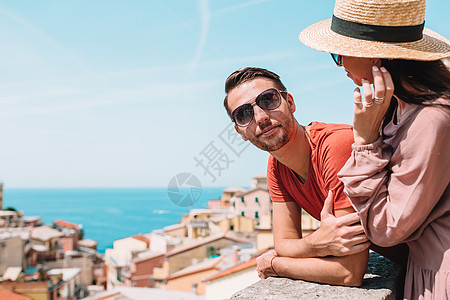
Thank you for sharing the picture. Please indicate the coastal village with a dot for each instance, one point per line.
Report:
(210, 254)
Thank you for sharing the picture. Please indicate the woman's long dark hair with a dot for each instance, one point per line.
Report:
(418, 82)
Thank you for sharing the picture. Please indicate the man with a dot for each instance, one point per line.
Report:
(301, 171)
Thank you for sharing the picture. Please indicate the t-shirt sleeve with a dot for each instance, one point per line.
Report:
(277, 190)
(334, 153)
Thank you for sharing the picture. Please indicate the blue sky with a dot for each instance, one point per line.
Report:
(129, 93)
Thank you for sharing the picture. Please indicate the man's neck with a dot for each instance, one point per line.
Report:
(296, 153)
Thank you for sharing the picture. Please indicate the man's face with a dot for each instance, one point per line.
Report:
(270, 129)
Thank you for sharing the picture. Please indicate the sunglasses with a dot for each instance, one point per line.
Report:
(268, 100)
(337, 59)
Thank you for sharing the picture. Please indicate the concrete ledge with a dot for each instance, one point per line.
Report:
(381, 281)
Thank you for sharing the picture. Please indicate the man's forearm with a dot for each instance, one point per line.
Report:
(305, 247)
(348, 270)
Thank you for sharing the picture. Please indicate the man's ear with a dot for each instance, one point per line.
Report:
(238, 131)
(291, 103)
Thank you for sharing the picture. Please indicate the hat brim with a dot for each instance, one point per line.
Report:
(319, 36)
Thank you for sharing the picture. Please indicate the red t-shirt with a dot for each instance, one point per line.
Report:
(330, 149)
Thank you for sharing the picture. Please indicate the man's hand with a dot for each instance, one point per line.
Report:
(340, 236)
(263, 266)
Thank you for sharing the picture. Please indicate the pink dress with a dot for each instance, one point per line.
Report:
(400, 187)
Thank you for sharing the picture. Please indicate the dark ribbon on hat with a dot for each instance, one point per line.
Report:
(390, 34)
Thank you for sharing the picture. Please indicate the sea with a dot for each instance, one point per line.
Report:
(107, 214)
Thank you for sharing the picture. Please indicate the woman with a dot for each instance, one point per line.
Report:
(398, 175)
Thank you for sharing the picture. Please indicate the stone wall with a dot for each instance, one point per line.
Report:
(383, 280)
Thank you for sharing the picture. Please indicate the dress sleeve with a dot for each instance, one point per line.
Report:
(277, 190)
(395, 190)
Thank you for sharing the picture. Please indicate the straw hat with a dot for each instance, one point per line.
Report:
(377, 29)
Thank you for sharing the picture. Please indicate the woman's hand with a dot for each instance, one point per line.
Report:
(368, 113)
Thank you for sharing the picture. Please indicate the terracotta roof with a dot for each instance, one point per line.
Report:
(142, 238)
(7, 295)
(200, 267)
(203, 241)
(233, 269)
(67, 224)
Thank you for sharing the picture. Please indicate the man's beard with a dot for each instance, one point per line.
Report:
(277, 142)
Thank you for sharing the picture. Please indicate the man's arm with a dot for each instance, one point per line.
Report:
(346, 271)
(302, 261)
(338, 235)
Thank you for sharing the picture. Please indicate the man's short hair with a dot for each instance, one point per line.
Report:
(240, 76)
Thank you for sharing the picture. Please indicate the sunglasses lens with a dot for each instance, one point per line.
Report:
(243, 115)
(337, 59)
(269, 100)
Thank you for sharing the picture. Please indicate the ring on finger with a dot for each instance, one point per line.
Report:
(357, 102)
(378, 100)
(367, 104)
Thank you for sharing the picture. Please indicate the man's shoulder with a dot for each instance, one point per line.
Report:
(275, 168)
(330, 133)
(328, 128)
(273, 162)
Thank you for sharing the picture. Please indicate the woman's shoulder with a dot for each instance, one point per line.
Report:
(432, 115)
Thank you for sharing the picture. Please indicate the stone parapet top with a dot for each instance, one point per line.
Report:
(381, 281)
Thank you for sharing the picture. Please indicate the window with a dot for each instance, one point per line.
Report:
(210, 251)
(242, 200)
(256, 215)
(256, 199)
(119, 274)
(242, 214)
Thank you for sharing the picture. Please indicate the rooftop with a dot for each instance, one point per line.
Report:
(203, 241)
(7, 295)
(134, 293)
(174, 227)
(207, 264)
(260, 176)
(233, 189)
(40, 248)
(142, 238)
(31, 218)
(12, 273)
(196, 211)
(67, 273)
(7, 213)
(45, 233)
(233, 269)
(87, 243)
(67, 224)
(246, 192)
(146, 255)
